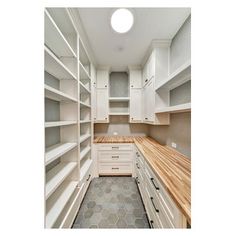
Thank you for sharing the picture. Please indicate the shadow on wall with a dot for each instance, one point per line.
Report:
(179, 132)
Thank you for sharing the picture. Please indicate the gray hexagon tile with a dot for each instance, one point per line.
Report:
(112, 202)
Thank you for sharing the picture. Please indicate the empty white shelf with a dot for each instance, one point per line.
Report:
(175, 109)
(119, 114)
(56, 151)
(119, 99)
(84, 137)
(83, 72)
(57, 175)
(59, 123)
(84, 152)
(84, 168)
(55, 67)
(84, 104)
(180, 76)
(83, 89)
(85, 121)
(62, 199)
(55, 40)
(57, 95)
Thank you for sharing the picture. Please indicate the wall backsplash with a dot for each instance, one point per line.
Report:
(179, 132)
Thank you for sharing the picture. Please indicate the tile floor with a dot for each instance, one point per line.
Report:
(112, 202)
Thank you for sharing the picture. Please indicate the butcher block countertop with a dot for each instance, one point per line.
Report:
(172, 168)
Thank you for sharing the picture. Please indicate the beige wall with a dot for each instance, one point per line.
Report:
(179, 131)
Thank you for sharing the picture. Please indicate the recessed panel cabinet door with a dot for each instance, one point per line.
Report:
(102, 108)
(151, 101)
(102, 78)
(135, 105)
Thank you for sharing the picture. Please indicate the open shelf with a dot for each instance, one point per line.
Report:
(84, 137)
(83, 89)
(62, 198)
(175, 109)
(56, 151)
(180, 76)
(57, 175)
(55, 67)
(85, 121)
(84, 152)
(119, 99)
(84, 168)
(84, 104)
(55, 40)
(57, 95)
(59, 123)
(83, 72)
(119, 114)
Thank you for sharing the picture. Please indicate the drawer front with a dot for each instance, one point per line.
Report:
(115, 156)
(167, 203)
(115, 147)
(139, 157)
(154, 202)
(116, 168)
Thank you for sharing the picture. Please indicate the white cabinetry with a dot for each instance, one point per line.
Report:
(135, 78)
(102, 106)
(102, 78)
(115, 159)
(135, 105)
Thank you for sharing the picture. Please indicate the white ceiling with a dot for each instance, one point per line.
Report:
(120, 50)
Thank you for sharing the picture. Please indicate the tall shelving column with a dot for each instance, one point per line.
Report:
(85, 140)
(61, 118)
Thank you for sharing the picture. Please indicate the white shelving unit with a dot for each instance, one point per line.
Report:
(119, 114)
(84, 137)
(57, 95)
(119, 99)
(59, 123)
(84, 152)
(84, 169)
(57, 175)
(175, 109)
(55, 151)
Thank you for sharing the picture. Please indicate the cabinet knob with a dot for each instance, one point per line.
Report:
(106, 118)
(146, 80)
(132, 118)
(105, 86)
(132, 86)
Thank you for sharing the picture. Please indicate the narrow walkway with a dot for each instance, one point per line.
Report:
(112, 202)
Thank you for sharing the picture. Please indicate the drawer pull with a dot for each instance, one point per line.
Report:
(151, 224)
(115, 157)
(137, 166)
(152, 179)
(137, 154)
(115, 168)
(115, 147)
(154, 204)
(137, 180)
(88, 178)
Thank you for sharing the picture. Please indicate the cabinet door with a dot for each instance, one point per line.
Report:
(150, 93)
(102, 78)
(144, 104)
(145, 75)
(151, 65)
(135, 77)
(136, 105)
(102, 105)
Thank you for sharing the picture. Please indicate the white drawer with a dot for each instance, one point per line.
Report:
(169, 207)
(115, 147)
(154, 202)
(115, 156)
(115, 168)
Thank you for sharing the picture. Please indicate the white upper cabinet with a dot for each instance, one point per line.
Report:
(135, 78)
(102, 106)
(135, 105)
(102, 78)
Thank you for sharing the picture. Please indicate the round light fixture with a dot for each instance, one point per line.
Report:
(122, 20)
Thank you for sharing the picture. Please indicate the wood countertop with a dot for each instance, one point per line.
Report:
(172, 167)
(114, 139)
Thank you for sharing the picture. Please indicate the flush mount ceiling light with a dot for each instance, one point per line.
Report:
(122, 20)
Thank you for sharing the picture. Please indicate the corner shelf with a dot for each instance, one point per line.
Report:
(175, 109)
(55, 40)
(61, 200)
(84, 137)
(56, 176)
(177, 78)
(85, 167)
(57, 95)
(119, 99)
(56, 151)
(59, 123)
(55, 67)
(84, 152)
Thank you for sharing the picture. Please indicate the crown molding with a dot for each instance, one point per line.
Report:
(156, 43)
